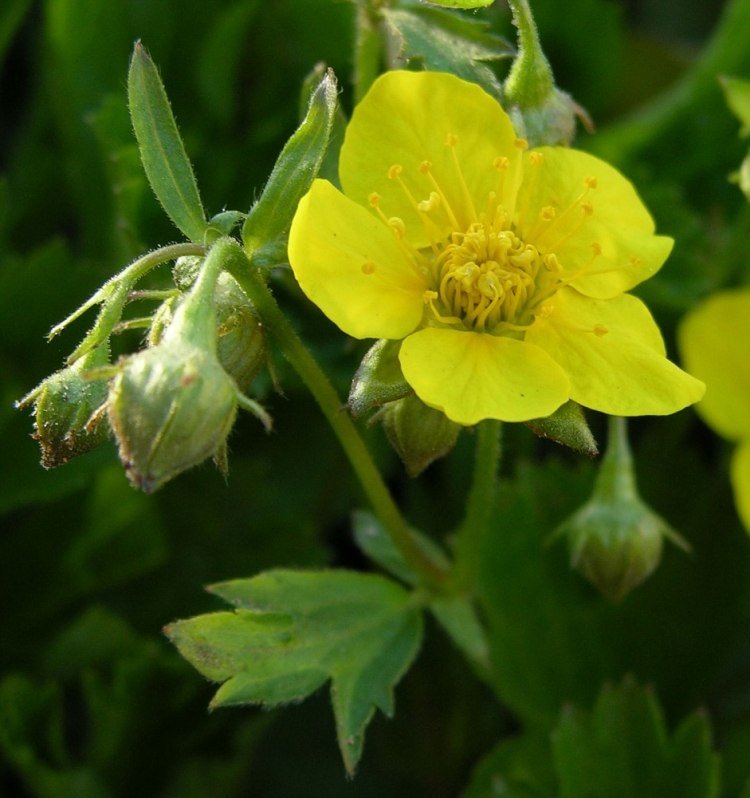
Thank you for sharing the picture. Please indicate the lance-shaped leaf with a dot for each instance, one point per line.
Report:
(165, 161)
(292, 631)
(294, 171)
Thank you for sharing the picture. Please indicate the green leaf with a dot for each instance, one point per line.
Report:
(11, 17)
(462, 3)
(163, 154)
(445, 42)
(295, 169)
(455, 614)
(517, 768)
(292, 631)
(737, 94)
(621, 749)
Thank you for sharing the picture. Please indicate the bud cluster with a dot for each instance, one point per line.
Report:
(171, 405)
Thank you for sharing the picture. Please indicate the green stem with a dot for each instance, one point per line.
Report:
(529, 82)
(367, 50)
(726, 52)
(317, 382)
(481, 502)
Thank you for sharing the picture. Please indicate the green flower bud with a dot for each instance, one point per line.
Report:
(66, 421)
(173, 405)
(418, 433)
(241, 344)
(615, 540)
(170, 407)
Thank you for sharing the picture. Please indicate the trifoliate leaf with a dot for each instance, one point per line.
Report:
(622, 749)
(293, 631)
(295, 169)
(163, 154)
(445, 42)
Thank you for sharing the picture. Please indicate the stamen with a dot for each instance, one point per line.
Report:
(536, 158)
(374, 199)
(591, 182)
(547, 213)
(450, 141)
(368, 267)
(396, 223)
(600, 330)
(425, 206)
(521, 144)
(425, 167)
(429, 298)
(394, 171)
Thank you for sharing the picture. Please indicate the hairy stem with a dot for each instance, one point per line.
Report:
(317, 382)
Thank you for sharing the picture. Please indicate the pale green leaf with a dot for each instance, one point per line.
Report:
(165, 161)
(293, 631)
(295, 169)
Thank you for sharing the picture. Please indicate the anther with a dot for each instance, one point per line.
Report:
(600, 330)
(501, 163)
(451, 140)
(425, 167)
(596, 248)
(535, 158)
(587, 208)
(552, 263)
(591, 182)
(425, 206)
(521, 144)
(374, 199)
(635, 262)
(368, 267)
(394, 171)
(398, 226)
(547, 213)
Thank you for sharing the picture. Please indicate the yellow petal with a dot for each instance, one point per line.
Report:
(351, 266)
(404, 120)
(715, 344)
(740, 474)
(613, 353)
(601, 229)
(472, 376)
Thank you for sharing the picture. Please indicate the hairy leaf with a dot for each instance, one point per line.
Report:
(292, 631)
(163, 154)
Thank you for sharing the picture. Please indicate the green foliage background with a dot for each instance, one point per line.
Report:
(93, 699)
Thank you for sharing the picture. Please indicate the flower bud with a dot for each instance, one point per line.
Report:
(241, 344)
(173, 405)
(615, 540)
(66, 422)
(170, 407)
(418, 433)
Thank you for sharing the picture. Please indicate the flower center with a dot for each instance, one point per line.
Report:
(487, 276)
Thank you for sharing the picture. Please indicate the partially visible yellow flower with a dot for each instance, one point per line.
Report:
(715, 343)
(504, 269)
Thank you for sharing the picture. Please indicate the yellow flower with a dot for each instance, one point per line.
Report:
(502, 268)
(714, 343)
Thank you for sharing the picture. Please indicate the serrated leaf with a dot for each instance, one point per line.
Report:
(295, 169)
(445, 42)
(165, 161)
(621, 749)
(292, 631)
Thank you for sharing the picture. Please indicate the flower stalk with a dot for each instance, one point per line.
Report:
(241, 268)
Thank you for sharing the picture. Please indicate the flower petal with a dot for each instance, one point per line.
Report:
(714, 339)
(405, 119)
(613, 353)
(472, 376)
(351, 266)
(740, 474)
(605, 216)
